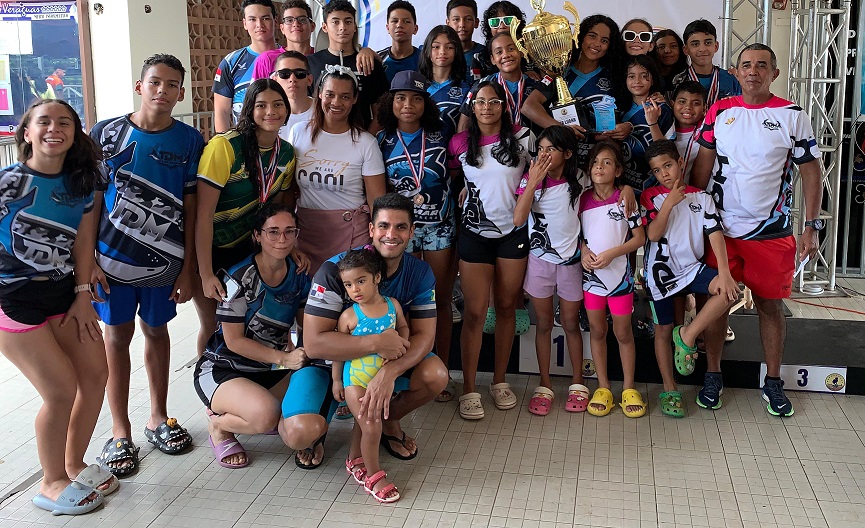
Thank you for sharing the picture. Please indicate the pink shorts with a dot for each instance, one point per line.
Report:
(543, 279)
(619, 305)
(7, 324)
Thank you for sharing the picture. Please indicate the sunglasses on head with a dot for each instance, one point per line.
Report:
(285, 73)
(495, 22)
(630, 36)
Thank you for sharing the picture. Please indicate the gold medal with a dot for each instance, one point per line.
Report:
(418, 199)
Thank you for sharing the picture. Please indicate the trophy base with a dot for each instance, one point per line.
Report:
(566, 114)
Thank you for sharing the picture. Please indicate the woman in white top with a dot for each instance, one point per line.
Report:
(340, 170)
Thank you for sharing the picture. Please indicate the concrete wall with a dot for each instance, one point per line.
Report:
(122, 37)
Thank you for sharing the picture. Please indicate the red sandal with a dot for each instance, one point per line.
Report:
(358, 473)
(578, 398)
(387, 494)
(541, 401)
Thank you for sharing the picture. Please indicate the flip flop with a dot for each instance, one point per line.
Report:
(118, 450)
(68, 501)
(387, 439)
(381, 495)
(447, 394)
(94, 476)
(633, 398)
(226, 448)
(671, 404)
(684, 356)
(167, 432)
(503, 396)
(346, 412)
(541, 401)
(578, 398)
(311, 449)
(603, 397)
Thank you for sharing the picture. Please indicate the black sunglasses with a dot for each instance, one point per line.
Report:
(285, 73)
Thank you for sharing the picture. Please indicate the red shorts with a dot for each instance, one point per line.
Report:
(764, 266)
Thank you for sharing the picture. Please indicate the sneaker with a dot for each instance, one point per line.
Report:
(455, 313)
(773, 392)
(557, 318)
(731, 336)
(709, 396)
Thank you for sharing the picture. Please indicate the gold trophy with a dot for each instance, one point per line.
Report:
(548, 41)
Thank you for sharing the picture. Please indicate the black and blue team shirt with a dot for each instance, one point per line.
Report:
(637, 173)
(393, 66)
(433, 202)
(141, 240)
(728, 85)
(233, 76)
(39, 220)
(267, 313)
(449, 97)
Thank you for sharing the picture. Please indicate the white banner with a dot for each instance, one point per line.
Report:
(372, 15)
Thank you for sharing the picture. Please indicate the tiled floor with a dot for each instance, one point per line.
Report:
(737, 467)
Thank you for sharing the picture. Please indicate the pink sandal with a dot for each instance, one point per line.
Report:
(542, 401)
(358, 473)
(383, 495)
(578, 398)
(226, 448)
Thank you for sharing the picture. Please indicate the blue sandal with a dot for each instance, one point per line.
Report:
(69, 501)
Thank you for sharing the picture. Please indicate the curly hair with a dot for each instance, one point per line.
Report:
(501, 6)
(612, 59)
(430, 120)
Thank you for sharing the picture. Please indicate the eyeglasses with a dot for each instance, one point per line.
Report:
(275, 234)
(495, 22)
(630, 36)
(285, 73)
(487, 102)
(290, 20)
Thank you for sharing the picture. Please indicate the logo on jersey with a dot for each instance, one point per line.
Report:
(604, 85)
(695, 207)
(218, 75)
(434, 137)
(166, 157)
(317, 291)
(64, 198)
(540, 238)
(547, 80)
(730, 121)
(455, 92)
(390, 141)
(473, 214)
(615, 215)
(769, 125)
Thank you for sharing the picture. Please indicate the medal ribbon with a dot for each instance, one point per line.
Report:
(690, 146)
(714, 86)
(416, 174)
(268, 175)
(513, 106)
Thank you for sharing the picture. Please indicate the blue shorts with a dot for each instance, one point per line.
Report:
(433, 237)
(153, 304)
(662, 309)
(310, 391)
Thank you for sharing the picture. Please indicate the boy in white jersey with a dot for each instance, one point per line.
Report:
(677, 216)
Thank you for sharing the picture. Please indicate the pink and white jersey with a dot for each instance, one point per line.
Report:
(753, 184)
(492, 187)
(689, 147)
(554, 226)
(674, 261)
(605, 226)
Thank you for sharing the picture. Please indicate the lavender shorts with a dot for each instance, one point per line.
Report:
(543, 279)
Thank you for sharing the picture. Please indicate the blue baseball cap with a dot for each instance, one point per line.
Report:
(409, 80)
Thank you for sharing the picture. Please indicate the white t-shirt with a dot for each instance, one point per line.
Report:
(605, 226)
(673, 262)
(554, 226)
(294, 119)
(330, 171)
(756, 148)
(492, 187)
(689, 147)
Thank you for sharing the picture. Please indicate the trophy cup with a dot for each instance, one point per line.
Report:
(548, 41)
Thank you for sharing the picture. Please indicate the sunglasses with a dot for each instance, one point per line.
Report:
(495, 22)
(630, 36)
(285, 73)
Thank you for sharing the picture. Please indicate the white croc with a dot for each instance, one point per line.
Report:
(503, 396)
(94, 476)
(471, 407)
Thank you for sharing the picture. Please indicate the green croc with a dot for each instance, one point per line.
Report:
(671, 404)
(523, 321)
(685, 357)
(490, 323)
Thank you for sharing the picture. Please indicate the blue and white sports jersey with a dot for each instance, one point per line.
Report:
(233, 76)
(39, 220)
(267, 313)
(413, 286)
(141, 225)
(433, 202)
(728, 85)
(637, 173)
(448, 97)
(393, 66)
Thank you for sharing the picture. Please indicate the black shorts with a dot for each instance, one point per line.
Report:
(477, 249)
(30, 306)
(209, 376)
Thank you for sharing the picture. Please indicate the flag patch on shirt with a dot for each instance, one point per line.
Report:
(218, 75)
(317, 291)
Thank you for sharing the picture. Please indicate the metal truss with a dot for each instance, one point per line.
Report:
(761, 31)
(818, 57)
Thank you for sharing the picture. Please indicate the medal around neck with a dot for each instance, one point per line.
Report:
(548, 41)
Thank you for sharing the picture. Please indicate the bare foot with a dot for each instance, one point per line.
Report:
(310, 457)
(218, 436)
(53, 491)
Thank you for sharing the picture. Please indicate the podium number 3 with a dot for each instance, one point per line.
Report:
(803, 381)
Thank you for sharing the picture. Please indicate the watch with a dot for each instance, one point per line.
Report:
(80, 288)
(817, 224)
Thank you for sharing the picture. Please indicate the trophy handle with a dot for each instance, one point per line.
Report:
(517, 41)
(569, 7)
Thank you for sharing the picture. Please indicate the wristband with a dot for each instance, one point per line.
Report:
(80, 288)
(652, 124)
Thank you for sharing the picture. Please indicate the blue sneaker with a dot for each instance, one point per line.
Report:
(778, 404)
(709, 396)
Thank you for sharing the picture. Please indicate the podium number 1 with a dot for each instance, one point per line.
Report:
(559, 341)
